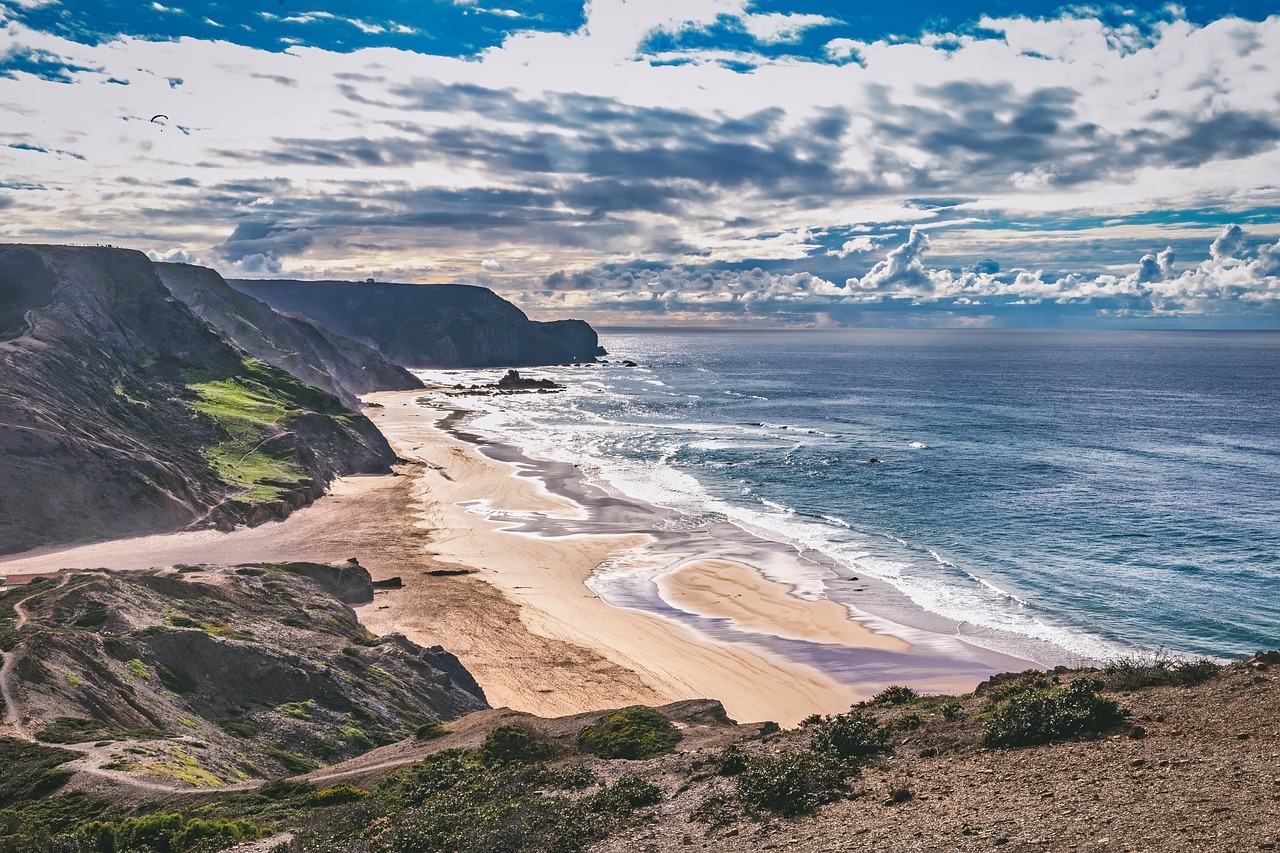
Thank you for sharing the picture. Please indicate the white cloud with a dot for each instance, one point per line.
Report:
(854, 246)
(776, 27)
(902, 268)
(490, 265)
(1228, 244)
(842, 49)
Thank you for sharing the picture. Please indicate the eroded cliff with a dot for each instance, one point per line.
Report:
(438, 325)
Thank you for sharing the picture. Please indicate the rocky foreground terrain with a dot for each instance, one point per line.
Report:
(200, 708)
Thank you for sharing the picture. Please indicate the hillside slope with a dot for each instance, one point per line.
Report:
(318, 357)
(439, 325)
(209, 676)
(122, 413)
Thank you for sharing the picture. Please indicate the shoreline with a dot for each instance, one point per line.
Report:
(534, 619)
(856, 654)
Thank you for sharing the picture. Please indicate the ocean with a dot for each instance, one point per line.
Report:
(1099, 492)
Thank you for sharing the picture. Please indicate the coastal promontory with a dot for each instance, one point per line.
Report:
(122, 412)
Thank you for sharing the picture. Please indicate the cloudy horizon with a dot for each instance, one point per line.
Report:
(718, 162)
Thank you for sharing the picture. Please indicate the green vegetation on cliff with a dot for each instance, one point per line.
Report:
(254, 408)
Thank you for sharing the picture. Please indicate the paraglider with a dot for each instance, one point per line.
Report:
(159, 115)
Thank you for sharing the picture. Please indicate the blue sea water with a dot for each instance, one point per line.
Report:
(1101, 491)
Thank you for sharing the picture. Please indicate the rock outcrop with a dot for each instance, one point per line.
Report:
(311, 354)
(121, 412)
(438, 325)
(263, 666)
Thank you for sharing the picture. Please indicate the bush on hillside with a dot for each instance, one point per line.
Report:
(1044, 714)
(630, 733)
(793, 783)
(852, 735)
(1132, 672)
(894, 694)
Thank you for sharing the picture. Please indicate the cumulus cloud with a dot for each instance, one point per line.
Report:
(1228, 244)
(1156, 267)
(490, 265)
(902, 268)
(854, 246)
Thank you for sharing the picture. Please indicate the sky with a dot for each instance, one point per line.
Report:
(1011, 163)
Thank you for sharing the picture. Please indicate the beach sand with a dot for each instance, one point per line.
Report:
(495, 552)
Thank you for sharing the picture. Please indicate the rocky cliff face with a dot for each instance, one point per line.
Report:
(316, 356)
(439, 325)
(264, 667)
(121, 412)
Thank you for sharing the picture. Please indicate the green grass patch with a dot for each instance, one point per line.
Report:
(297, 710)
(182, 766)
(253, 409)
(81, 730)
(137, 668)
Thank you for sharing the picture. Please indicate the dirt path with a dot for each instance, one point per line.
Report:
(12, 725)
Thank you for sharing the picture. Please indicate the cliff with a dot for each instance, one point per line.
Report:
(313, 355)
(439, 325)
(207, 676)
(121, 412)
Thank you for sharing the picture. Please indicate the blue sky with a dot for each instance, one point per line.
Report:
(703, 161)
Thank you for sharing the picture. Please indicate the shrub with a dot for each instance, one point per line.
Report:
(1133, 672)
(513, 742)
(167, 833)
(291, 761)
(731, 761)
(285, 789)
(81, 730)
(246, 727)
(625, 795)
(632, 733)
(850, 735)
(222, 833)
(894, 694)
(573, 776)
(791, 784)
(429, 731)
(338, 794)
(1043, 714)
(453, 802)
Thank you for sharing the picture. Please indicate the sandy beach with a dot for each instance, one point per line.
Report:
(495, 553)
